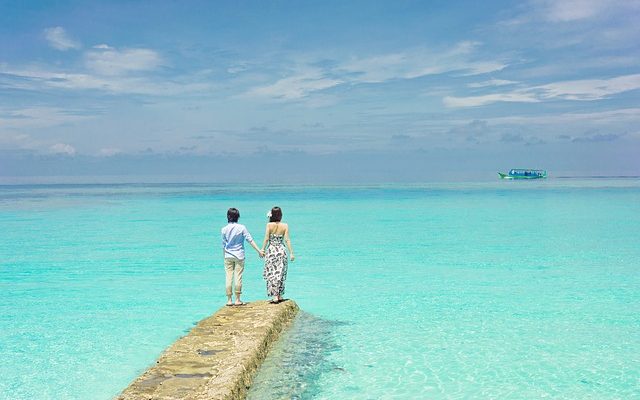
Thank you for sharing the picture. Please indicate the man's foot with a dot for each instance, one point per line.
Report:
(242, 303)
(229, 304)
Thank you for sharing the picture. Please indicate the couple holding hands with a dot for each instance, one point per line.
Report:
(273, 251)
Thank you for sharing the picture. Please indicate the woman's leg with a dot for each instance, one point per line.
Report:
(283, 277)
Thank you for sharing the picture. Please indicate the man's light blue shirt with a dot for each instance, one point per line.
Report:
(233, 237)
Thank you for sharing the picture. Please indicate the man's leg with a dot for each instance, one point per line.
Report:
(238, 272)
(228, 269)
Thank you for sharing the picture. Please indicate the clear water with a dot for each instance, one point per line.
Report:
(487, 290)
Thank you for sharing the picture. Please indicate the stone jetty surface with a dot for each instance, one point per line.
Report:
(219, 356)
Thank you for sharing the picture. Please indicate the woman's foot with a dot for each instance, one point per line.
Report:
(277, 300)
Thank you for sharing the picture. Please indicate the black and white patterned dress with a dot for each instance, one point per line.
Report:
(275, 265)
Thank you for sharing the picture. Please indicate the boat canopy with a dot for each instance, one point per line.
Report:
(527, 172)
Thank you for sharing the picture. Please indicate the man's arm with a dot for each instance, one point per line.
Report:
(248, 238)
(255, 246)
(224, 245)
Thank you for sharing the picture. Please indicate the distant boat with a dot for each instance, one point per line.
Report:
(524, 174)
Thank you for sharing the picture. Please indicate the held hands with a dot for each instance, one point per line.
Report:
(261, 253)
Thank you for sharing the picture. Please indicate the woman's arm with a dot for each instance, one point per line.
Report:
(287, 240)
(266, 238)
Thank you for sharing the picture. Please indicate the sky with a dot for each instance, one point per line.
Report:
(317, 91)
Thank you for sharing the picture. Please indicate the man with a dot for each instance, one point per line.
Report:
(233, 237)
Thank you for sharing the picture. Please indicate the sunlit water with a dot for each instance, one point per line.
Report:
(488, 290)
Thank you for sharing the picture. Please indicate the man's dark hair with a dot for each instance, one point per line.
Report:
(233, 215)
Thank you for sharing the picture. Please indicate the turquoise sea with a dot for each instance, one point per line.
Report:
(505, 290)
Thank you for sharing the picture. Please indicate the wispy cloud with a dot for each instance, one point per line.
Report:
(296, 86)
(109, 152)
(625, 115)
(107, 69)
(306, 78)
(492, 82)
(590, 89)
(59, 39)
(63, 148)
(42, 79)
(519, 96)
(14, 140)
(475, 131)
(105, 60)
(237, 68)
(583, 32)
(571, 10)
(418, 62)
(37, 117)
(584, 89)
(598, 137)
(568, 11)
(527, 140)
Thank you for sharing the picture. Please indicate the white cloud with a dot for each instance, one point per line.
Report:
(20, 140)
(590, 89)
(38, 79)
(492, 82)
(624, 115)
(571, 10)
(586, 89)
(37, 117)
(474, 101)
(482, 67)
(409, 64)
(109, 61)
(418, 62)
(109, 152)
(107, 69)
(237, 68)
(296, 86)
(566, 11)
(63, 148)
(58, 39)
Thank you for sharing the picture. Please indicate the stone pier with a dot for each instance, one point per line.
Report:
(218, 358)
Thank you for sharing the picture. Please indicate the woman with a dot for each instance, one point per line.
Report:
(275, 264)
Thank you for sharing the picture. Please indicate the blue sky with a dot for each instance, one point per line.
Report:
(396, 90)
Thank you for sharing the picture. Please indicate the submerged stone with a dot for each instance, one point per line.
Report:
(208, 352)
(205, 375)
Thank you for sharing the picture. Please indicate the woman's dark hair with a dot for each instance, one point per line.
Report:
(276, 215)
(233, 215)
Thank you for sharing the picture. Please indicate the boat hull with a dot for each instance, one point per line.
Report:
(518, 177)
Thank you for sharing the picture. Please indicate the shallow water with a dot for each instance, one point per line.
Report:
(491, 290)
(298, 360)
